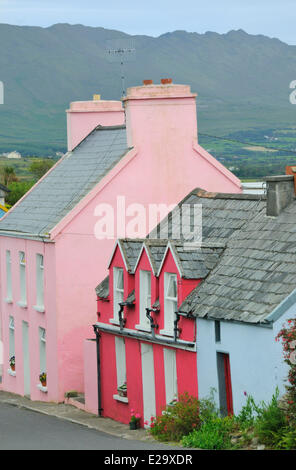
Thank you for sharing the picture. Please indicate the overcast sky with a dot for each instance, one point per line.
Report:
(274, 18)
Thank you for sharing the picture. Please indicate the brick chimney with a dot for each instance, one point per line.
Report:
(84, 116)
(280, 193)
(159, 116)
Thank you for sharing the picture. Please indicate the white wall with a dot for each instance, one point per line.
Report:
(256, 360)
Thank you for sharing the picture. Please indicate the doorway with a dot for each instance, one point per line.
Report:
(148, 381)
(26, 359)
(224, 381)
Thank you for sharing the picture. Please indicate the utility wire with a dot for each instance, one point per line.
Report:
(247, 143)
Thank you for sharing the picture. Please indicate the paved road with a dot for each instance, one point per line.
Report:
(23, 429)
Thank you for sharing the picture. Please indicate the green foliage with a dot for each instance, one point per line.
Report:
(177, 420)
(214, 434)
(287, 439)
(270, 421)
(17, 190)
(39, 168)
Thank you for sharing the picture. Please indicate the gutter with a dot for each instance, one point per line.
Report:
(282, 307)
(16, 234)
(180, 344)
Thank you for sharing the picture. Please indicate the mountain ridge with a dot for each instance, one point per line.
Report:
(242, 80)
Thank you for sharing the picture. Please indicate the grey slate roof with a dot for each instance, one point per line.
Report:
(257, 269)
(102, 290)
(247, 259)
(73, 178)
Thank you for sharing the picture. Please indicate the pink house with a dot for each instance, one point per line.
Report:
(147, 356)
(56, 241)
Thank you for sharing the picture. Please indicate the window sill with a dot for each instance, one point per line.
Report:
(114, 322)
(166, 333)
(145, 328)
(41, 388)
(122, 399)
(11, 372)
(39, 308)
(22, 304)
(8, 301)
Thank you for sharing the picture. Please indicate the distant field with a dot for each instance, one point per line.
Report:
(253, 162)
(21, 166)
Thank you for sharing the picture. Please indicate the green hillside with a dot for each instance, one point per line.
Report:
(242, 80)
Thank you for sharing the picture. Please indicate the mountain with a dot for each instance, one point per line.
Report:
(242, 80)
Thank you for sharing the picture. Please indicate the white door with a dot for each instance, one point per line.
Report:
(148, 381)
(26, 357)
(170, 372)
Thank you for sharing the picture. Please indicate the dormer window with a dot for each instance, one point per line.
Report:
(118, 291)
(145, 299)
(170, 302)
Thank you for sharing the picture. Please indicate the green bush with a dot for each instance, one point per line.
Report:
(214, 434)
(270, 422)
(177, 420)
(287, 440)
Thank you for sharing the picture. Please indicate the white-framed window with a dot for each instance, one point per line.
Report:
(23, 286)
(145, 298)
(118, 291)
(42, 349)
(11, 337)
(39, 282)
(8, 277)
(120, 361)
(170, 302)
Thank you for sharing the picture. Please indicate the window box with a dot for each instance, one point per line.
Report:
(119, 398)
(42, 388)
(39, 308)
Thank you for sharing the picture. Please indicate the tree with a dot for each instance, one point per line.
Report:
(17, 190)
(8, 175)
(39, 168)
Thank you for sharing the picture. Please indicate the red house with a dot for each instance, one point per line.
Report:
(146, 351)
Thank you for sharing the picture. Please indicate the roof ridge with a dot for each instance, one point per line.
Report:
(240, 196)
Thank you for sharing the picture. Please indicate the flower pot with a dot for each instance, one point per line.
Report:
(122, 393)
(12, 367)
(43, 383)
(134, 425)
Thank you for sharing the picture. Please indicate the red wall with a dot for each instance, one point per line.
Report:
(186, 360)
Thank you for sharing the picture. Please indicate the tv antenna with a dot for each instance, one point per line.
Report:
(122, 51)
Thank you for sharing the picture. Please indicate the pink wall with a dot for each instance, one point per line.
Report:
(35, 319)
(84, 116)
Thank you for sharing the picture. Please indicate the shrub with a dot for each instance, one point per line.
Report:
(288, 337)
(287, 440)
(177, 420)
(270, 422)
(214, 434)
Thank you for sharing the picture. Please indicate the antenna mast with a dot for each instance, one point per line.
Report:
(121, 50)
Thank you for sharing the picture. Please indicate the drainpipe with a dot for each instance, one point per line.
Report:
(151, 319)
(176, 321)
(97, 333)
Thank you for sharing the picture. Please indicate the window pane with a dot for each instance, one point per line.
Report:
(172, 287)
(120, 279)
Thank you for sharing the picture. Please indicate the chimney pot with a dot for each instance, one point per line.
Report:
(280, 193)
(147, 82)
(166, 81)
